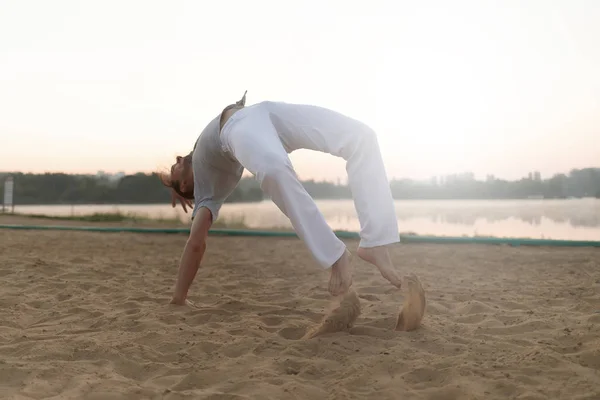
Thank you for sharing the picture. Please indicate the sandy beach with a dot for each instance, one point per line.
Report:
(86, 316)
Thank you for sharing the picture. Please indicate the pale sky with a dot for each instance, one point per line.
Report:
(492, 87)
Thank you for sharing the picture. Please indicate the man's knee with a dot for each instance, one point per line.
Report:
(368, 134)
(364, 142)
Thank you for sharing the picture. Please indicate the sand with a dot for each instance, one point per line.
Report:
(86, 316)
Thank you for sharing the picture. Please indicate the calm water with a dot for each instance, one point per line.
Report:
(576, 219)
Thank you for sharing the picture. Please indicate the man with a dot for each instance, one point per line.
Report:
(259, 138)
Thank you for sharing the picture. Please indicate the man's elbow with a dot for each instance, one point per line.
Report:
(197, 240)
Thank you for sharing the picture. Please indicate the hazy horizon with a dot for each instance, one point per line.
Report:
(470, 86)
(341, 180)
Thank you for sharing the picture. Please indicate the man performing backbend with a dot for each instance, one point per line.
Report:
(259, 139)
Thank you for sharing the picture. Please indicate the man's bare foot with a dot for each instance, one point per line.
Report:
(380, 257)
(341, 275)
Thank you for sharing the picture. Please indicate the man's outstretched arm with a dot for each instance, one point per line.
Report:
(192, 255)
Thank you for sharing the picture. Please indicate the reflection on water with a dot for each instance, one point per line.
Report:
(577, 219)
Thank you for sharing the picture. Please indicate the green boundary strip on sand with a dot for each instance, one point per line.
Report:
(340, 234)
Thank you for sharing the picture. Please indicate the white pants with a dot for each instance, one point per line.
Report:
(260, 138)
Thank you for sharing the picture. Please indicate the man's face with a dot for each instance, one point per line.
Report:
(181, 175)
(177, 169)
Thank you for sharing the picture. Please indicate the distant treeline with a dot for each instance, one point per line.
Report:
(140, 188)
(56, 188)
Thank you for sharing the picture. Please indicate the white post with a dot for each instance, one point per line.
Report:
(8, 194)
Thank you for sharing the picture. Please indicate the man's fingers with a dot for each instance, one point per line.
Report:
(185, 203)
(190, 303)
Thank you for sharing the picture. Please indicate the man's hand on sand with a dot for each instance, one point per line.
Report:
(182, 303)
(184, 202)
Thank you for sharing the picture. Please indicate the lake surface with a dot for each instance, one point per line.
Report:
(575, 219)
